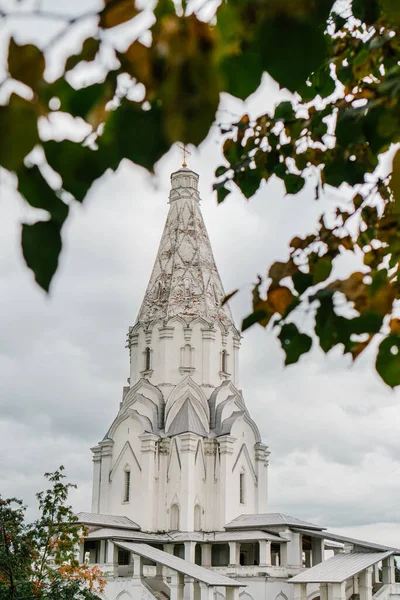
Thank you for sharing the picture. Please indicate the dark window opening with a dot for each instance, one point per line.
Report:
(224, 361)
(179, 550)
(220, 555)
(147, 359)
(124, 557)
(241, 488)
(92, 547)
(127, 486)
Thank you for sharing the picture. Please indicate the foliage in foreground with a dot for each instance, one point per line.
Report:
(39, 560)
(343, 69)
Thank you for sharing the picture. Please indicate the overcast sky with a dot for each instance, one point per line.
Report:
(332, 427)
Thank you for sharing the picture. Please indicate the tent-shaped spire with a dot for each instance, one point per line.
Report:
(185, 281)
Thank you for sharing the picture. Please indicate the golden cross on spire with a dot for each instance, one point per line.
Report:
(185, 153)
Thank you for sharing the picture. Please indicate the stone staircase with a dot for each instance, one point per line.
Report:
(158, 594)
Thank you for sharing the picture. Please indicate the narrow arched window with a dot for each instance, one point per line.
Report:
(147, 359)
(127, 485)
(175, 517)
(224, 361)
(241, 488)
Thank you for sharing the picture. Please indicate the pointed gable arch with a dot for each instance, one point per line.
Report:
(216, 398)
(174, 452)
(199, 456)
(233, 399)
(187, 389)
(140, 398)
(247, 419)
(245, 453)
(127, 413)
(281, 596)
(127, 450)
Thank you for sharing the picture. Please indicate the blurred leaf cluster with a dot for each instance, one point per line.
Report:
(343, 70)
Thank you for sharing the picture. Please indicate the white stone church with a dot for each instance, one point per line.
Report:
(179, 506)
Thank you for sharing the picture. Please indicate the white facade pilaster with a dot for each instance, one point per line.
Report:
(187, 495)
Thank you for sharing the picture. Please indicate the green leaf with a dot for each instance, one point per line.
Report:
(280, 41)
(388, 360)
(221, 171)
(26, 63)
(366, 10)
(302, 281)
(329, 327)
(18, 131)
(135, 134)
(322, 270)
(37, 192)
(294, 343)
(78, 165)
(242, 73)
(255, 317)
(88, 53)
(284, 111)
(293, 183)
(338, 21)
(41, 246)
(248, 181)
(222, 192)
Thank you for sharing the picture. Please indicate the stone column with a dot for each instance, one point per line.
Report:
(234, 554)
(375, 573)
(261, 456)
(169, 548)
(317, 550)
(225, 488)
(365, 584)
(388, 571)
(96, 478)
(206, 591)
(149, 497)
(188, 451)
(106, 458)
(337, 591)
(211, 521)
(231, 593)
(323, 591)
(176, 586)
(293, 549)
(188, 592)
(206, 555)
(161, 471)
(208, 372)
(137, 566)
(300, 591)
(265, 553)
(112, 557)
(190, 549)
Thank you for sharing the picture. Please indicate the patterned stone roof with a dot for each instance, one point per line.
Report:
(185, 281)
